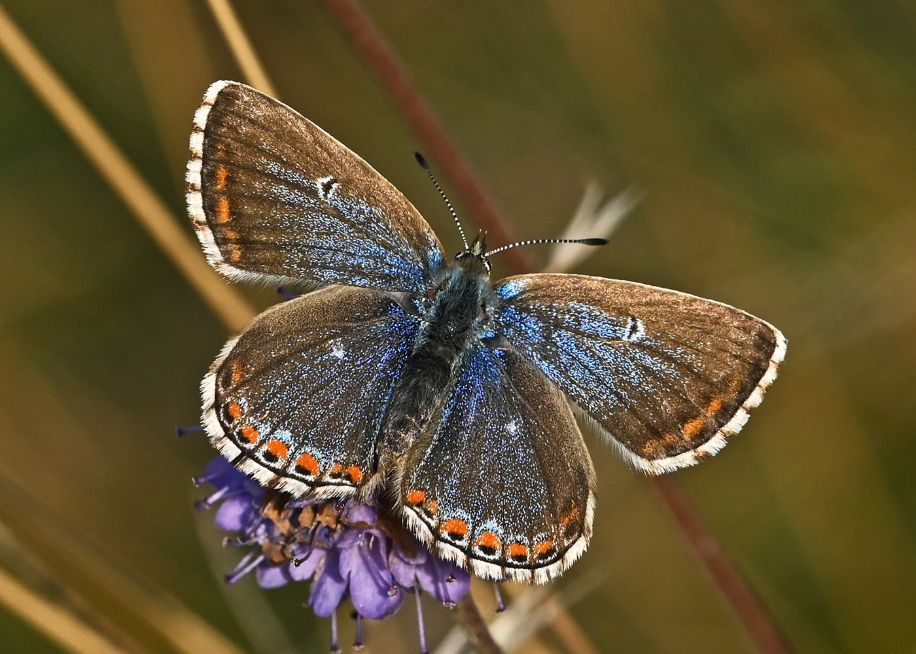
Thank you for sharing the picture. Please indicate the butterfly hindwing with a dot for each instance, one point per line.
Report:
(504, 484)
(298, 398)
(275, 198)
(668, 376)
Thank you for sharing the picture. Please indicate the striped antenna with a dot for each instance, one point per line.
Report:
(422, 161)
(544, 241)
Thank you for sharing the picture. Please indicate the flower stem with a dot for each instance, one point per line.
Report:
(477, 629)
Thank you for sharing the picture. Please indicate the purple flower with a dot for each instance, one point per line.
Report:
(341, 546)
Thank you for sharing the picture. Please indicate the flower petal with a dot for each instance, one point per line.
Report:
(329, 586)
(235, 514)
(373, 590)
(443, 580)
(271, 575)
(309, 562)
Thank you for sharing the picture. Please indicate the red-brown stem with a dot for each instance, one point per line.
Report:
(476, 626)
(381, 59)
(760, 626)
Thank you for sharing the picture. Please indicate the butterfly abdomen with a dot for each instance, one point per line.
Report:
(450, 325)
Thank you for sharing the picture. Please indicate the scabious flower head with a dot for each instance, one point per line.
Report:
(346, 549)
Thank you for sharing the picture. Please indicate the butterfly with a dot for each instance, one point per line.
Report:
(406, 373)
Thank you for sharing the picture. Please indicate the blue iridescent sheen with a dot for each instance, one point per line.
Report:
(349, 241)
(586, 352)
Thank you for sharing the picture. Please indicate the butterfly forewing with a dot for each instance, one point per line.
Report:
(504, 484)
(299, 397)
(667, 375)
(275, 198)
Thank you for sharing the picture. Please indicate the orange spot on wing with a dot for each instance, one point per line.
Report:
(489, 540)
(416, 497)
(714, 406)
(235, 253)
(250, 434)
(235, 410)
(230, 234)
(693, 427)
(308, 463)
(223, 214)
(654, 449)
(277, 448)
(237, 372)
(569, 517)
(544, 547)
(454, 527)
(431, 507)
(518, 551)
(222, 176)
(356, 473)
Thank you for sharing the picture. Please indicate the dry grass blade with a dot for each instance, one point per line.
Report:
(55, 622)
(141, 608)
(592, 219)
(241, 46)
(121, 175)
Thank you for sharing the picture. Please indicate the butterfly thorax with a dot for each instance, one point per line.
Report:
(453, 315)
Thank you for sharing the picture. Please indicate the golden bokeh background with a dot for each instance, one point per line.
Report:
(773, 146)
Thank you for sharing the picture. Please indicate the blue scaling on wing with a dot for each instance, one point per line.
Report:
(663, 373)
(303, 392)
(275, 198)
(505, 480)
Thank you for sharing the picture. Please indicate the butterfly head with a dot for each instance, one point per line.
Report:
(474, 258)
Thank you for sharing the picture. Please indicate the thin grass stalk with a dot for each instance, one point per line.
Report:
(54, 622)
(94, 570)
(379, 56)
(146, 206)
(240, 46)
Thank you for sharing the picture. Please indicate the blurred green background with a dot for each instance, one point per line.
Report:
(774, 145)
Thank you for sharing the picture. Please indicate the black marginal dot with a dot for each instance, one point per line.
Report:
(489, 550)
(519, 558)
(270, 457)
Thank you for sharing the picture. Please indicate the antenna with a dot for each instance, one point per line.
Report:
(543, 241)
(422, 161)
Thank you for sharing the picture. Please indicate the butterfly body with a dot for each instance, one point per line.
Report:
(453, 316)
(404, 373)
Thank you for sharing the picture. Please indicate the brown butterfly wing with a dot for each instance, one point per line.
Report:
(668, 376)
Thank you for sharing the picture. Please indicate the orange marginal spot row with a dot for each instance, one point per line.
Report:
(223, 213)
(488, 540)
(715, 405)
(250, 434)
(237, 372)
(454, 527)
(543, 548)
(235, 410)
(277, 448)
(308, 463)
(222, 176)
(518, 551)
(416, 497)
(693, 427)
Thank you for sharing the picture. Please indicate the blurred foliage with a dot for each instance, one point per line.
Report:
(773, 145)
